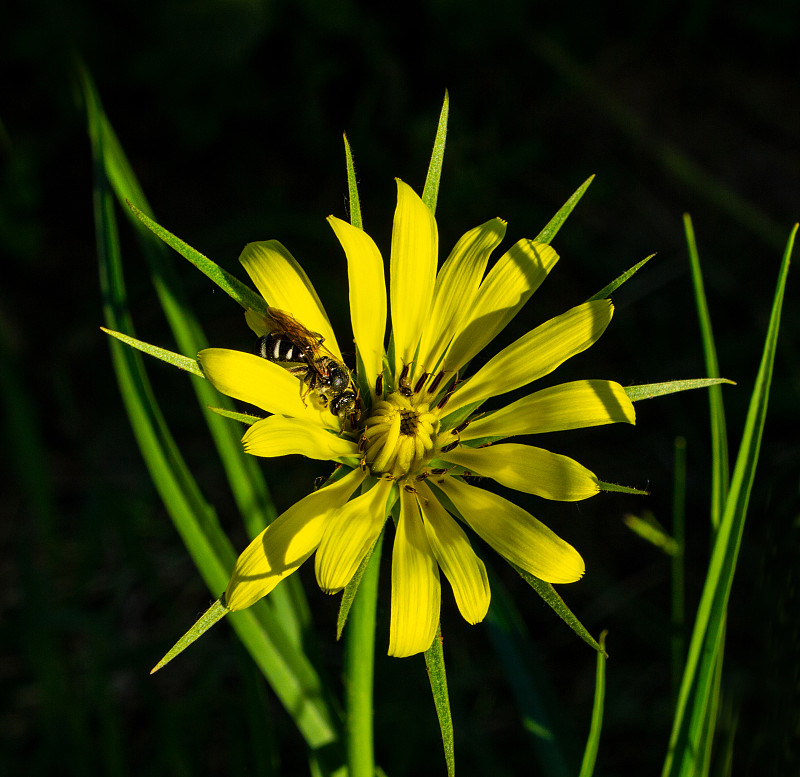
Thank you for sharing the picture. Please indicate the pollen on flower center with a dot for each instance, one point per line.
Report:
(399, 436)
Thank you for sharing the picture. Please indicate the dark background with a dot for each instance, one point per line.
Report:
(232, 115)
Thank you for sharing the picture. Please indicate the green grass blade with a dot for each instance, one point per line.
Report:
(434, 660)
(593, 741)
(430, 193)
(242, 471)
(294, 679)
(555, 223)
(650, 530)
(719, 435)
(696, 693)
(650, 390)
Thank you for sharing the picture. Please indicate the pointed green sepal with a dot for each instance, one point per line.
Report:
(175, 359)
(650, 390)
(622, 489)
(555, 223)
(434, 661)
(216, 612)
(607, 291)
(245, 418)
(351, 589)
(648, 528)
(430, 193)
(352, 187)
(232, 286)
(557, 604)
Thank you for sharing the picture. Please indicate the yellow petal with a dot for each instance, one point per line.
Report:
(256, 321)
(348, 536)
(259, 382)
(367, 294)
(454, 554)
(457, 284)
(514, 533)
(528, 469)
(573, 405)
(416, 591)
(415, 247)
(507, 287)
(284, 285)
(536, 353)
(286, 543)
(281, 436)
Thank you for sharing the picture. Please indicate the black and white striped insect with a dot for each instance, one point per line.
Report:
(302, 353)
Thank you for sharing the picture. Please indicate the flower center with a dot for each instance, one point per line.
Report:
(399, 436)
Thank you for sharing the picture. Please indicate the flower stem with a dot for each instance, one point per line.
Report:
(359, 664)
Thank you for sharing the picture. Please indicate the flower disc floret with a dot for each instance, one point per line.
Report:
(400, 436)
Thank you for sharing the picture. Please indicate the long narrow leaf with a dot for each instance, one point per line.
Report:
(719, 481)
(244, 476)
(292, 676)
(719, 435)
(697, 685)
(593, 740)
(434, 660)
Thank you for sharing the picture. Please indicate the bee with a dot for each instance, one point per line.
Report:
(302, 353)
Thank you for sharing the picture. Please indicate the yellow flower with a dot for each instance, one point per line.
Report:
(409, 448)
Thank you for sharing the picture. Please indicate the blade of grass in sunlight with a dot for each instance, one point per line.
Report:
(292, 677)
(649, 529)
(593, 741)
(540, 711)
(696, 694)
(242, 471)
(719, 436)
(719, 477)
